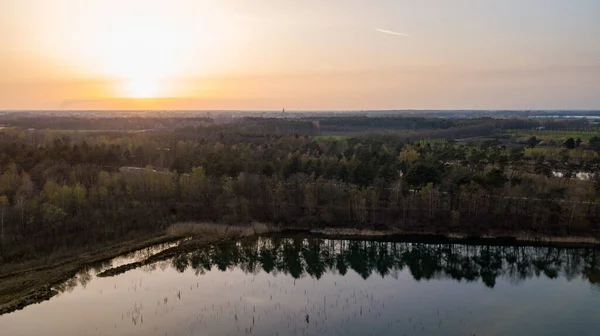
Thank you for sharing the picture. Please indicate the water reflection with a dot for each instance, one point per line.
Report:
(308, 286)
(86, 274)
(300, 257)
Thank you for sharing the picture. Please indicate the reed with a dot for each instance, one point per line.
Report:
(218, 230)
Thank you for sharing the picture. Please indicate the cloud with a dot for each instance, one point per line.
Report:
(391, 32)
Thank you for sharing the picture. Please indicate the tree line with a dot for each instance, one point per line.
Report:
(61, 193)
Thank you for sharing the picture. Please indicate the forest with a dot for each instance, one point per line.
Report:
(70, 184)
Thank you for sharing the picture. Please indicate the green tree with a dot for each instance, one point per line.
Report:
(493, 179)
(53, 215)
(532, 142)
(570, 143)
(3, 204)
(421, 173)
(595, 142)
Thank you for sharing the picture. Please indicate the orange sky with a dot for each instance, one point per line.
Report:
(269, 54)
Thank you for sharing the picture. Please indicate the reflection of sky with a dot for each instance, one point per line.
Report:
(161, 301)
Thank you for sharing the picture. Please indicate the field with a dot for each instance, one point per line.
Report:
(555, 152)
(547, 135)
(332, 137)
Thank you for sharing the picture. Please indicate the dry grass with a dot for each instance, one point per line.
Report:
(354, 232)
(218, 230)
(519, 236)
(559, 240)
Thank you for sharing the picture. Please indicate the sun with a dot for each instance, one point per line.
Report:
(140, 54)
(142, 88)
(149, 49)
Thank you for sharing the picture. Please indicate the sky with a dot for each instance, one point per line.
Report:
(299, 55)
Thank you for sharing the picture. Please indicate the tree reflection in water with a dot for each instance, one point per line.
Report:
(314, 257)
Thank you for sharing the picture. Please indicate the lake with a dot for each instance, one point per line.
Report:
(312, 286)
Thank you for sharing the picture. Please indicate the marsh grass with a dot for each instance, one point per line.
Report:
(218, 230)
(355, 232)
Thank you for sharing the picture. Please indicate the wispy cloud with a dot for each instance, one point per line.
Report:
(391, 32)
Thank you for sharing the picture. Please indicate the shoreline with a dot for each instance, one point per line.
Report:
(520, 238)
(35, 285)
(22, 288)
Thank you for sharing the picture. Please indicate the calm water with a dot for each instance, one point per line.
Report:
(297, 286)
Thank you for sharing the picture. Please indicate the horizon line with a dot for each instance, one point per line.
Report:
(303, 110)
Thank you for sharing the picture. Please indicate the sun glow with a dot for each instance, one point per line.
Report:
(142, 88)
(145, 49)
(139, 53)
